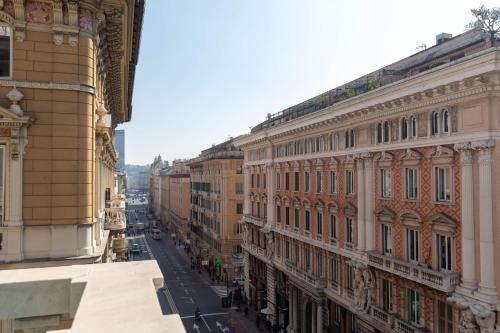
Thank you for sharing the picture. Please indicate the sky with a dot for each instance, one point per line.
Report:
(211, 69)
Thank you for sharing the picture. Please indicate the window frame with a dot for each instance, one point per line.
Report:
(333, 181)
(416, 175)
(387, 244)
(383, 182)
(349, 182)
(11, 51)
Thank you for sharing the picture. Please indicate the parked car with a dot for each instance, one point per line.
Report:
(135, 248)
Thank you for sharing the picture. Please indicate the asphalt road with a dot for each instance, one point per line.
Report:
(184, 289)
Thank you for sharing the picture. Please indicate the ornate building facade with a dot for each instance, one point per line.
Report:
(217, 207)
(372, 207)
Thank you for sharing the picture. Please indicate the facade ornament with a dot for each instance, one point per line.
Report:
(269, 246)
(485, 318)
(15, 96)
(364, 284)
(73, 39)
(467, 322)
(483, 144)
(19, 34)
(58, 38)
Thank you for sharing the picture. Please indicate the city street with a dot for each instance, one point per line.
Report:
(184, 289)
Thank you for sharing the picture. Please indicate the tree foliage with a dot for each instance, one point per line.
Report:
(487, 20)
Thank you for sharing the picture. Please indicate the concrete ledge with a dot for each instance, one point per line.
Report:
(118, 297)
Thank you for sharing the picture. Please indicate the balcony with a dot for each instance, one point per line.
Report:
(382, 316)
(255, 250)
(309, 278)
(445, 282)
(404, 327)
(254, 220)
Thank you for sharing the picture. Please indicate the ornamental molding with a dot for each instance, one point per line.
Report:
(440, 151)
(411, 154)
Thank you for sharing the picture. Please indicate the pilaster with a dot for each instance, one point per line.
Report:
(368, 164)
(246, 190)
(487, 288)
(271, 293)
(361, 222)
(270, 192)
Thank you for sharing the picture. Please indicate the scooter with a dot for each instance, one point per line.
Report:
(197, 315)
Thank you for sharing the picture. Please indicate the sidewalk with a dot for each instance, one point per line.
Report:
(245, 324)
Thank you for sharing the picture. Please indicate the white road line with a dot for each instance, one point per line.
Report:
(208, 315)
(206, 324)
(170, 299)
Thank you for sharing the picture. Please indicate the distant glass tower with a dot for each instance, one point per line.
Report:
(120, 147)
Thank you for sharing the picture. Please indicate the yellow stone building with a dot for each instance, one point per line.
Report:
(217, 208)
(66, 80)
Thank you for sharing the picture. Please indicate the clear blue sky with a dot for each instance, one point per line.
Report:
(210, 69)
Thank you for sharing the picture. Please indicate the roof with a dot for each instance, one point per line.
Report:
(436, 55)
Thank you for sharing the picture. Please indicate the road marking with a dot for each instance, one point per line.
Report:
(170, 299)
(223, 330)
(204, 321)
(207, 315)
(195, 327)
(191, 301)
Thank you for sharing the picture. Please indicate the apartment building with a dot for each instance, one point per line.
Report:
(217, 208)
(175, 202)
(371, 208)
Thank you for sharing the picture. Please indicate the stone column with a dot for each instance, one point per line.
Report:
(487, 286)
(295, 310)
(313, 317)
(246, 190)
(361, 204)
(319, 319)
(370, 233)
(467, 207)
(270, 192)
(290, 310)
(271, 292)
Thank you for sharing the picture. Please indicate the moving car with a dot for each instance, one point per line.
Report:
(135, 248)
(156, 234)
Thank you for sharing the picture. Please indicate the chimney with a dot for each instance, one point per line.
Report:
(443, 37)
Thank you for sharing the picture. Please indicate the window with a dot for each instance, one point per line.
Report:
(258, 180)
(413, 306)
(444, 251)
(350, 278)
(385, 183)
(296, 183)
(445, 121)
(434, 123)
(278, 214)
(319, 220)
(287, 215)
(349, 182)
(349, 139)
(319, 260)
(413, 127)
(5, 52)
(445, 317)
(258, 209)
(297, 254)
(264, 180)
(333, 226)
(265, 210)
(308, 220)
(411, 183)
(319, 182)
(349, 230)
(412, 245)
(239, 228)
(404, 128)
(252, 180)
(443, 184)
(386, 239)
(380, 134)
(278, 181)
(296, 220)
(335, 270)
(287, 250)
(239, 208)
(307, 257)
(333, 182)
(287, 181)
(306, 181)
(386, 132)
(239, 188)
(2, 179)
(387, 295)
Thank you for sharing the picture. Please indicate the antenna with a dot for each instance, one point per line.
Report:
(421, 47)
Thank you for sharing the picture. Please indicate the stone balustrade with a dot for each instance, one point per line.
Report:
(402, 326)
(382, 316)
(442, 281)
(254, 220)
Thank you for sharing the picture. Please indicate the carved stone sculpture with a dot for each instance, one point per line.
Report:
(467, 322)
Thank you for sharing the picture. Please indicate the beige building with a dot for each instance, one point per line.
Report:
(374, 207)
(66, 81)
(217, 208)
(174, 204)
(154, 184)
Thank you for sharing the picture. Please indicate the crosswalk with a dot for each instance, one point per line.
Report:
(221, 291)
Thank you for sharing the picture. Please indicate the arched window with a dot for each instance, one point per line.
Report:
(413, 127)
(434, 123)
(445, 119)
(404, 128)
(386, 131)
(379, 133)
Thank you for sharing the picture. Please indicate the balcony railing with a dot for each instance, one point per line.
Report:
(382, 316)
(443, 281)
(404, 327)
(114, 216)
(254, 220)
(311, 279)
